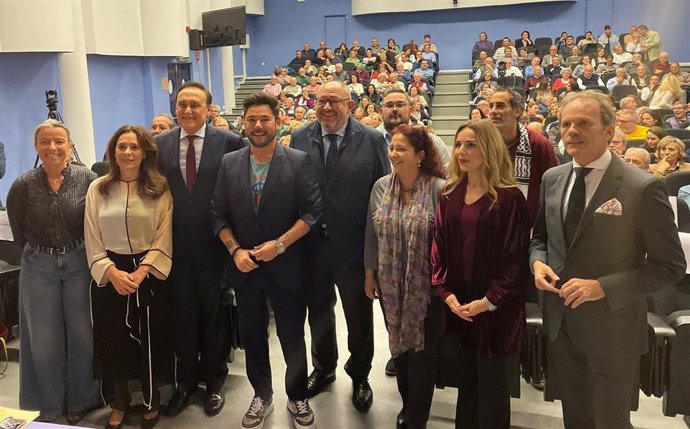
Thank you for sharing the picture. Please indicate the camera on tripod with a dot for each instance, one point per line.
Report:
(52, 103)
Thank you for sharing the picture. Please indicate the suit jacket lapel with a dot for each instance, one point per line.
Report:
(176, 169)
(555, 207)
(318, 162)
(273, 173)
(348, 148)
(605, 191)
(209, 150)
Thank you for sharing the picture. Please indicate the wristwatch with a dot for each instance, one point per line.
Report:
(280, 247)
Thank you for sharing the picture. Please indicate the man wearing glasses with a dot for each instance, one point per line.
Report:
(627, 122)
(348, 159)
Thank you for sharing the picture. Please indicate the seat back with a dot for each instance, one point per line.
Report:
(675, 181)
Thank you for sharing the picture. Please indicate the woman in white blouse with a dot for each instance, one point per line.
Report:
(128, 234)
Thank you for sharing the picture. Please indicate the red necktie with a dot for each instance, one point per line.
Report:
(191, 164)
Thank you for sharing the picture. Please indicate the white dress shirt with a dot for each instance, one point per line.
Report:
(592, 180)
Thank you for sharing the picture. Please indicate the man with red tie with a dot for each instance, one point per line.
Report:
(190, 156)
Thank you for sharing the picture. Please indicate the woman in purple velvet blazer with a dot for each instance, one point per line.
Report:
(479, 257)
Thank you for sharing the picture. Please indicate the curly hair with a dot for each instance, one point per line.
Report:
(418, 137)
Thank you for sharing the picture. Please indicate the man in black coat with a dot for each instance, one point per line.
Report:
(189, 157)
(267, 198)
(348, 159)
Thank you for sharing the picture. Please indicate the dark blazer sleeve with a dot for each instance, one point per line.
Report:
(665, 262)
(309, 196)
(538, 244)
(15, 212)
(2, 160)
(439, 259)
(382, 163)
(220, 203)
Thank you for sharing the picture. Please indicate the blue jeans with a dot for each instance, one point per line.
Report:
(56, 350)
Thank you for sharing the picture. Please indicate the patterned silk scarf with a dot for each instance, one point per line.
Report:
(404, 235)
(523, 161)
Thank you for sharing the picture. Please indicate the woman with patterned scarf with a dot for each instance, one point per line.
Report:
(397, 266)
(479, 262)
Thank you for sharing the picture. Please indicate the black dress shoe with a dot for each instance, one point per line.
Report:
(150, 423)
(390, 368)
(75, 417)
(401, 420)
(318, 381)
(362, 396)
(215, 401)
(178, 401)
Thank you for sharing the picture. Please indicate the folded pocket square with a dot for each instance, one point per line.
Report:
(611, 207)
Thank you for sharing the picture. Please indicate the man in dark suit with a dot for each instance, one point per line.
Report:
(348, 158)
(189, 157)
(604, 239)
(267, 198)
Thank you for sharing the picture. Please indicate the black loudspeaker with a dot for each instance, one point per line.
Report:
(196, 40)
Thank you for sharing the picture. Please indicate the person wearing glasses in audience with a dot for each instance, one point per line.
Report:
(128, 232)
(349, 158)
(397, 269)
(45, 207)
(478, 257)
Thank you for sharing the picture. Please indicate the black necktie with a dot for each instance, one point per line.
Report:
(191, 163)
(332, 155)
(576, 204)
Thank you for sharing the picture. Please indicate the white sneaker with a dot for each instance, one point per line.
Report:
(257, 412)
(302, 414)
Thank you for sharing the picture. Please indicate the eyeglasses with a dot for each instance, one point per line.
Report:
(398, 105)
(335, 103)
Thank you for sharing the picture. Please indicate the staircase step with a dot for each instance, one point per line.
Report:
(453, 77)
(455, 110)
(452, 87)
(451, 97)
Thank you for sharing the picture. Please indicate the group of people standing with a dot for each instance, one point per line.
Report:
(445, 251)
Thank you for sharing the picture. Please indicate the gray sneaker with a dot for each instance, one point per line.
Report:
(257, 412)
(302, 414)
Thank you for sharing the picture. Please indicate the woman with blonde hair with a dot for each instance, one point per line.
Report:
(479, 256)
(45, 207)
(670, 152)
(128, 232)
(669, 91)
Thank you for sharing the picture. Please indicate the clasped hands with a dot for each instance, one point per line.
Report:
(126, 283)
(263, 252)
(466, 311)
(575, 291)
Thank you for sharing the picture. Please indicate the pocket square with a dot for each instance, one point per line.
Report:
(611, 207)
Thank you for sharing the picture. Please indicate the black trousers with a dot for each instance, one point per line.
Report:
(484, 393)
(595, 392)
(326, 271)
(416, 371)
(202, 327)
(289, 309)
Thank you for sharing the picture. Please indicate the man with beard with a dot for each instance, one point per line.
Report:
(531, 152)
(261, 227)
(348, 158)
(395, 110)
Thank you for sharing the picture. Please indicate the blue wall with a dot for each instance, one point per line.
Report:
(275, 38)
(25, 77)
(128, 89)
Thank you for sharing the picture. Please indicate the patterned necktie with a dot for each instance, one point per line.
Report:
(332, 155)
(576, 204)
(191, 164)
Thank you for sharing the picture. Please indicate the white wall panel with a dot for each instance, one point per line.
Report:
(163, 27)
(362, 7)
(116, 27)
(36, 26)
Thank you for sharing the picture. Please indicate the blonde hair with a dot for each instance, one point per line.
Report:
(671, 140)
(498, 167)
(51, 123)
(670, 83)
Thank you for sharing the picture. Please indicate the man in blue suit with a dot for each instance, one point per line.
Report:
(267, 198)
(348, 159)
(189, 157)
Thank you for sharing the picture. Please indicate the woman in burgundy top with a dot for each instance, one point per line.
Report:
(479, 256)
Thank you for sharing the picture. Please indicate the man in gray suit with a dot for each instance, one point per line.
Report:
(604, 239)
